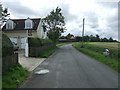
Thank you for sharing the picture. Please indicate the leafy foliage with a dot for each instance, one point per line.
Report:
(7, 46)
(14, 76)
(96, 38)
(46, 41)
(69, 36)
(34, 42)
(37, 42)
(48, 52)
(3, 13)
(54, 22)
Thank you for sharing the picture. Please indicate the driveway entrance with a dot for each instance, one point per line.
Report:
(29, 63)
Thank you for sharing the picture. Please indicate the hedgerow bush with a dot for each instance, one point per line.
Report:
(7, 46)
(46, 41)
(37, 42)
(34, 42)
(40, 47)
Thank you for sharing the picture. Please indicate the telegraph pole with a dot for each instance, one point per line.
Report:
(83, 33)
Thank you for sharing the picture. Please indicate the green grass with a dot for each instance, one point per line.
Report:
(48, 52)
(13, 77)
(61, 44)
(110, 45)
(95, 52)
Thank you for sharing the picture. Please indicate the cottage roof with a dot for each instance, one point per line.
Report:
(19, 24)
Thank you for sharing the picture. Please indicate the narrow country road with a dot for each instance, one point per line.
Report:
(70, 68)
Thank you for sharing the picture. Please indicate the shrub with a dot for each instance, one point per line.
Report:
(39, 47)
(37, 42)
(7, 46)
(34, 42)
(46, 41)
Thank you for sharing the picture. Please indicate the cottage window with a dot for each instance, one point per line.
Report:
(9, 24)
(28, 24)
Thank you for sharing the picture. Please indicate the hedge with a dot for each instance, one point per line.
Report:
(7, 46)
(46, 41)
(37, 46)
(34, 42)
(37, 42)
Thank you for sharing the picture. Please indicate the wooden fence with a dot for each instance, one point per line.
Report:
(9, 61)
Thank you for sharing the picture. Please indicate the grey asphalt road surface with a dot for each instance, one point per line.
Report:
(70, 68)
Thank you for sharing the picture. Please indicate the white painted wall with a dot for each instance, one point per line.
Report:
(40, 31)
(23, 43)
(13, 40)
(26, 50)
(45, 35)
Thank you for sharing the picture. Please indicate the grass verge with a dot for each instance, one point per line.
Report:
(61, 44)
(13, 77)
(112, 62)
(48, 52)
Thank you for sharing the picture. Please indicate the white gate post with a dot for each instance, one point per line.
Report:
(27, 47)
(26, 50)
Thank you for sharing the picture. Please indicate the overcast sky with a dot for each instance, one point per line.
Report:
(100, 17)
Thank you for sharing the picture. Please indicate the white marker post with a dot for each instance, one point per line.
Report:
(27, 47)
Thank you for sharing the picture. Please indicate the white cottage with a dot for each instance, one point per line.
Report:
(18, 30)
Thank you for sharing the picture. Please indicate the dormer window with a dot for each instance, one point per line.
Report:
(28, 24)
(9, 24)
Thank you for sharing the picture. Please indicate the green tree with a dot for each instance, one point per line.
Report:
(3, 13)
(55, 23)
(78, 38)
(97, 38)
(63, 37)
(104, 39)
(86, 38)
(91, 38)
(111, 39)
(69, 36)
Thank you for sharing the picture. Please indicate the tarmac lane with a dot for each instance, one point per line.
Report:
(69, 68)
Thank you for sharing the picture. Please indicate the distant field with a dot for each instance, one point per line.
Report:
(110, 45)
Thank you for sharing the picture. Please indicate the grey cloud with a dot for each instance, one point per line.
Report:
(91, 16)
(109, 4)
(90, 32)
(113, 25)
(112, 22)
(91, 19)
(94, 26)
(68, 16)
(17, 9)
